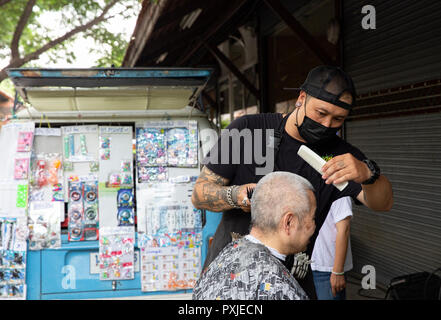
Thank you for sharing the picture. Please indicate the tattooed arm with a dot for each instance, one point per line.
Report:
(210, 192)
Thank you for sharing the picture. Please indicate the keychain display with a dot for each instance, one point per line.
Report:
(124, 178)
(126, 173)
(105, 148)
(90, 193)
(117, 253)
(83, 210)
(13, 233)
(126, 213)
(125, 198)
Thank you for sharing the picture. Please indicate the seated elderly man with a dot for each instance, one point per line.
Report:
(251, 268)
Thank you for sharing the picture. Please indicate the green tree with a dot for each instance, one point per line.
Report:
(24, 38)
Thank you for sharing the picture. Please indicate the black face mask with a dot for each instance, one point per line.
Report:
(314, 132)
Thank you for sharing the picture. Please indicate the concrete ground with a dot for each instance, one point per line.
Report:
(353, 287)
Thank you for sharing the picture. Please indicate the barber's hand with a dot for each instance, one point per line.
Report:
(242, 198)
(345, 168)
(338, 283)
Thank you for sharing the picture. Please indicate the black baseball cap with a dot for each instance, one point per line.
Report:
(328, 83)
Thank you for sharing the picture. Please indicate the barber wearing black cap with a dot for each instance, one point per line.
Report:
(324, 103)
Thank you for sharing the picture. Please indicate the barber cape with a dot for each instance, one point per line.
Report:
(247, 271)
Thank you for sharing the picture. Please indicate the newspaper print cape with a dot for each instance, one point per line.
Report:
(247, 271)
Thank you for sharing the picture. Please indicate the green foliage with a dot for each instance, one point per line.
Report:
(8, 87)
(66, 15)
(225, 123)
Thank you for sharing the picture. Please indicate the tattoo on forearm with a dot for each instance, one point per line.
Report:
(211, 191)
(209, 176)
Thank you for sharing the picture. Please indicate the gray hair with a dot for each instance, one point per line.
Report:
(276, 194)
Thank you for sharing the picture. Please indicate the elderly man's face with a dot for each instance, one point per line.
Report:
(306, 228)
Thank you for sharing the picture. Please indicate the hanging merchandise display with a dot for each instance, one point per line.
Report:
(116, 176)
(90, 210)
(126, 213)
(166, 143)
(151, 147)
(22, 196)
(75, 211)
(105, 148)
(21, 169)
(44, 225)
(169, 228)
(46, 179)
(117, 230)
(170, 236)
(16, 140)
(182, 146)
(13, 234)
(170, 262)
(46, 200)
(80, 143)
(116, 253)
(83, 209)
(24, 141)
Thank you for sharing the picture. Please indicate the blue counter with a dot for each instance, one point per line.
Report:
(64, 273)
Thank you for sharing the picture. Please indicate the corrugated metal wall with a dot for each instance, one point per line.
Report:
(404, 48)
(408, 238)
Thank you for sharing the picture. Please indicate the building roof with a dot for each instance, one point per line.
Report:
(173, 33)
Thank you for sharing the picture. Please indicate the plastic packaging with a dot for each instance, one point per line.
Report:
(44, 226)
(151, 147)
(152, 174)
(182, 147)
(126, 213)
(12, 258)
(21, 169)
(116, 253)
(25, 141)
(83, 210)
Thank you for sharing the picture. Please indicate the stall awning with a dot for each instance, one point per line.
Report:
(83, 90)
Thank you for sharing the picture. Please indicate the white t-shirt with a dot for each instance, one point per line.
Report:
(324, 249)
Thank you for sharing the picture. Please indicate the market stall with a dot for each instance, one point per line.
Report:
(96, 182)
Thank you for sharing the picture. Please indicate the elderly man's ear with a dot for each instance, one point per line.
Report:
(290, 222)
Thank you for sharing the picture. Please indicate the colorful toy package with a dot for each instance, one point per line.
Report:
(151, 147)
(116, 253)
